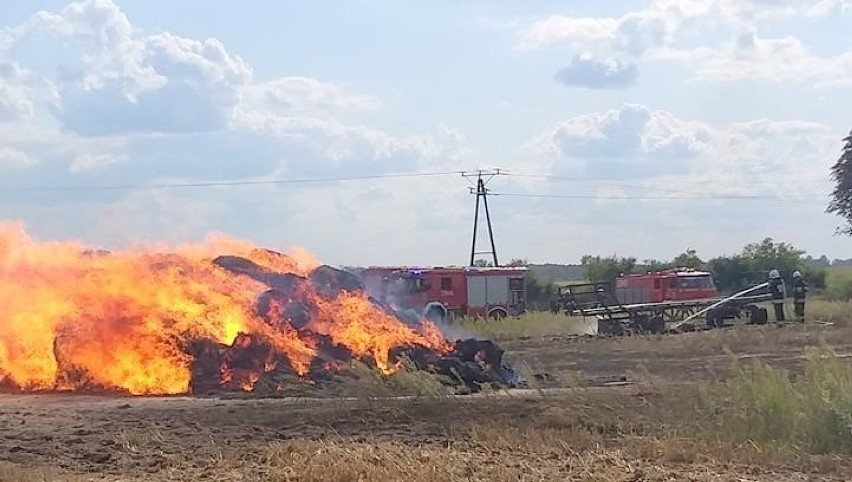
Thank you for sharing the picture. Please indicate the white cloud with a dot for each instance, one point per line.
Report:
(346, 148)
(657, 24)
(115, 52)
(291, 95)
(659, 150)
(572, 31)
(128, 83)
(88, 161)
(825, 7)
(655, 32)
(20, 91)
(773, 60)
(587, 70)
(14, 158)
(629, 132)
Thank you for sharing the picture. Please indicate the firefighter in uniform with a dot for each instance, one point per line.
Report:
(800, 290)
(778, 292)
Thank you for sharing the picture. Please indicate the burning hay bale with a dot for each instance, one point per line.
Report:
(199, 322)
(288, 307)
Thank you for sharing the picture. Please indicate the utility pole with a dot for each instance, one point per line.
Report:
(481, 192)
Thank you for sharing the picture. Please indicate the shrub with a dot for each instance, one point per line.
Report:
(839, 285)
(762, 404)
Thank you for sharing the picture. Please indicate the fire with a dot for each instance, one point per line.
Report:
(73, 318)
(350, 321)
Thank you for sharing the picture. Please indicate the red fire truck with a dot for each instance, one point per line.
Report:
(668, 285)
(457, 291)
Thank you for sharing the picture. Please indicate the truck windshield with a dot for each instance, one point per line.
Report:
(695, 282)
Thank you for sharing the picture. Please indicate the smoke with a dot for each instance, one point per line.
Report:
(434, 311)
(455, 332)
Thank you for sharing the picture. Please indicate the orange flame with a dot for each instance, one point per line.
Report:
(71, 319)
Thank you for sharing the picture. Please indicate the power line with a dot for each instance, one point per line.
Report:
(487, 175)
(654, 189)
(222, 183)
(599, 183)
(659, 198)
(610, 183)
(555, 177)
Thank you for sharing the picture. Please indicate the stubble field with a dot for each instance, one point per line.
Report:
(678, 407)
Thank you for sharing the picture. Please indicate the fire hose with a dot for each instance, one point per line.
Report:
(718, 303)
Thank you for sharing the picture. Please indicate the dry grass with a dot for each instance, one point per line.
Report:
(364, 382)
(837, 312)
(536, 324)
(576, 437)
(527, 325)
(487, 452)
(10, 472)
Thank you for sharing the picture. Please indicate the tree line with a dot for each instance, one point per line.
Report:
(731, 273)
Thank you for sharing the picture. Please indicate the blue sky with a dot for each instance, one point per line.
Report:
(631, 107)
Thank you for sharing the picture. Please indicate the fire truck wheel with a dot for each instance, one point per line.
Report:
(436, 312)
(498, 314)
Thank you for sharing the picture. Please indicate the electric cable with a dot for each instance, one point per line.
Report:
(657, 198)
(221, 183)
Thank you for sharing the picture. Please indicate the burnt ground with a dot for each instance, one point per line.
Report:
(619, 433)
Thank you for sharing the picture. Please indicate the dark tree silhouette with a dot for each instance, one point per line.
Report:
(841, 197)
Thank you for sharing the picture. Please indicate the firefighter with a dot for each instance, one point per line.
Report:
(779, 293)
(800, 290)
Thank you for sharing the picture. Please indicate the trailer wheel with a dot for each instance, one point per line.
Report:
(760, 316)
(656, 325)
(714, 319)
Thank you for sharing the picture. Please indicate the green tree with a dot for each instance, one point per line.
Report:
(539, 293)
(651, 265)
(841, 197)
(599, 269)
(752, 266)
(731, 273)
(817, 277)
(767, 255)
(688, 259)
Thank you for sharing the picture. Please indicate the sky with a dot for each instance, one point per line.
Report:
(636, 128)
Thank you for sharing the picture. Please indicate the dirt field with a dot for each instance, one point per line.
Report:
(634, 432)
(677, 358)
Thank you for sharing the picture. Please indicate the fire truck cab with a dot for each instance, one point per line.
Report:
(458, 291)
(677, 284)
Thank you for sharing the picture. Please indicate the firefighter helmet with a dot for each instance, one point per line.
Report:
(774, 274)
(797, 274)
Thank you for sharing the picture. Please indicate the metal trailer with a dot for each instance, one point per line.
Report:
(616, 318)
